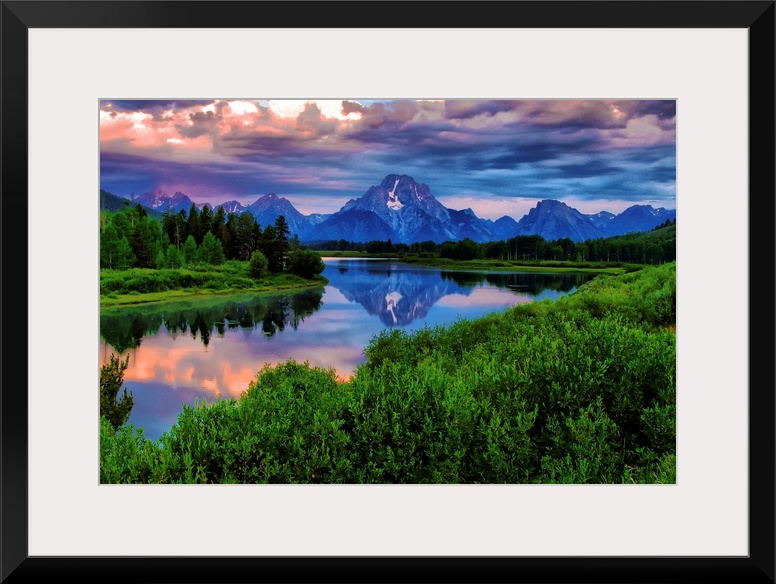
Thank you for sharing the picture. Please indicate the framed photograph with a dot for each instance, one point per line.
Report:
(131, 106)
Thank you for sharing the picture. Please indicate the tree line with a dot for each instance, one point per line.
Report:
(653, 247)
(131, 238)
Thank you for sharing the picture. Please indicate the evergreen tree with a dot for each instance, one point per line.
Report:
(218, 228)
(190, 254)
(256, 235)
(175, 227)
(192, 223)
(282, 248)
(231, 248)
(245, 236)
(145, 241)
(111, 377)
(125, 259)
(122, 223)
(173, 257)
(205, 224)
(183, 221)
(211, 251)
(160, 259)
(269, 245)
(282, 229)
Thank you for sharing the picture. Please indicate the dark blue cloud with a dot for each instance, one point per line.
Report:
(592, 169)
(664, 109)
(150, 105)
(462, 109)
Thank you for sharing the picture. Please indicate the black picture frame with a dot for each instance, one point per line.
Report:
(758, 566)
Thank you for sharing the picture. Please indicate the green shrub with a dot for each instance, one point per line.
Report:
(127, 457)
(305, 263)
(259, 265)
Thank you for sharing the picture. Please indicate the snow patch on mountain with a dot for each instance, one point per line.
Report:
(393, 199)
(391, 302)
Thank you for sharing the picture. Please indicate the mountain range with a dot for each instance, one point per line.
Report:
(402, 210)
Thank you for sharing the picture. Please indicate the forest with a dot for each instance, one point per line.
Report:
(140, 254)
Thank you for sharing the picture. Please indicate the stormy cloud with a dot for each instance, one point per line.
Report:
(613, 152)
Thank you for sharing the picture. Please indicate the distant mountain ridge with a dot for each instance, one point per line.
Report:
(268, 208)
(405, 211)
(160, 201)
(114, 203)
(111, 202)
(228, 206)
(557, 220)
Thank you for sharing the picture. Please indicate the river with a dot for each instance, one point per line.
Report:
(183, 351)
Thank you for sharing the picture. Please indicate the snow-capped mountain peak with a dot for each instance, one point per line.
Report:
(160, 201)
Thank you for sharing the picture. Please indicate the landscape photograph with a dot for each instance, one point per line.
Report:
(387, 291)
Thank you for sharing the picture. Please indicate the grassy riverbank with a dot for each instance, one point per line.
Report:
(355, 254)
(490, 264)
(577, 390)
(518, 265)
(141, 285)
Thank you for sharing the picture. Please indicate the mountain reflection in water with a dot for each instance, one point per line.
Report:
(399, 293)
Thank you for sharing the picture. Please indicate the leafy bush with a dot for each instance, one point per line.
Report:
(126, 456)
(305, 263)
(259, 265)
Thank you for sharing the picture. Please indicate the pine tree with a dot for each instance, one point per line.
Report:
(145, 241)
(121, 221)
(125, 259)
(192, 223)
(282, 232)
(111, 377)
(205, 224)
(231, 247)
(174, 225)
(109, 240)
(190, 250)
(211, 251)
(173, 257)
(245, 236)
(218, 228)
(269, 245)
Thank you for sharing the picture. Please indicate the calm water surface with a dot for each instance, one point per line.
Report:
(186, 350)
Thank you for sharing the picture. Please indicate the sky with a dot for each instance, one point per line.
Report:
(496, 157)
